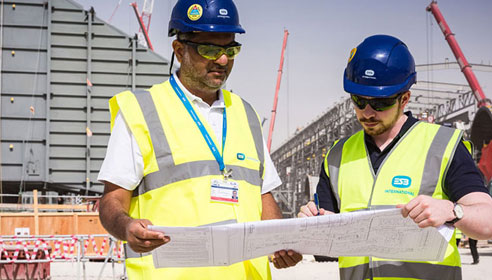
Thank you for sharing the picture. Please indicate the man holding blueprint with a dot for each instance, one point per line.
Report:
(424, 169)
(187, 153)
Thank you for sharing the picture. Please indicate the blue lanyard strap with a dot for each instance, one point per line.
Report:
(203, 130)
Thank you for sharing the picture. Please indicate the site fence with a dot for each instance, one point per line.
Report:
(46, 249)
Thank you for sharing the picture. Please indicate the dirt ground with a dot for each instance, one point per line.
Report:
(306, 269)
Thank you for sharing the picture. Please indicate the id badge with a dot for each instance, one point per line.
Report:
(224, 191)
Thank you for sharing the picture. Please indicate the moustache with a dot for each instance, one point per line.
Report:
(218, 68)
(372, 120)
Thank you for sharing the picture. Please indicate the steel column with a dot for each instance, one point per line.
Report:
(134, 62)
(48, 97)
(90, 15)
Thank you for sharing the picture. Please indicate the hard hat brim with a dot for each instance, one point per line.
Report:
(378, 91)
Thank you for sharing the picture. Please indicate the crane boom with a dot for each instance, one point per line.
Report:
(144, 29)
(481, 131)
(460, 57)
(148, 6)
(277, 88)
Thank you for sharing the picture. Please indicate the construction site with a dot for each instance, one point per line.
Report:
(61, 63)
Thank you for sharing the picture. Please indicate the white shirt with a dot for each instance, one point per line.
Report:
(123, 164)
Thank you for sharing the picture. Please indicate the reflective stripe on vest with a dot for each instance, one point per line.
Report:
(392, 270)
(255, 127)
(191, 170)
(433, 159)
(332, 165)
(161, 147)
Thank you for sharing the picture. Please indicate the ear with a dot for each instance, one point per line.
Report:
(178, 48)
(405, 98)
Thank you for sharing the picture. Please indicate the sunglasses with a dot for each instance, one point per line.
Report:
(378, 104)
(213, 52)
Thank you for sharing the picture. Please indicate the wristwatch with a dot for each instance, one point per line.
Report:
(458, 213)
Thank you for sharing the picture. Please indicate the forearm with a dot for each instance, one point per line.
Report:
(477, 221)
(114, 218)
(270, 209)
(113, 210)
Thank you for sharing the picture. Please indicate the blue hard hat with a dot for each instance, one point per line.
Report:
(380, 66)
(204, 16)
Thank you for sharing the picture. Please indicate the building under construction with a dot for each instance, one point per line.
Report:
(60, 64)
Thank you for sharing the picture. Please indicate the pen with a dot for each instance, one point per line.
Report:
(316, 201)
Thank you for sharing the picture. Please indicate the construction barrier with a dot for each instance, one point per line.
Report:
(30, 257)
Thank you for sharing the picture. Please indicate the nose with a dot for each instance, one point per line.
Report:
(222, 60)
(368, 111)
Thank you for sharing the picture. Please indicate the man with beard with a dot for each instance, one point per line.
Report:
(396, 160)
(179, 151)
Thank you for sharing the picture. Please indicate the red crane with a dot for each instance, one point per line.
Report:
(481, 134)
(146, 14)
(277, 88)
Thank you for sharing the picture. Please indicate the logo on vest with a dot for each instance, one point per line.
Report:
(240, 156)
(401, 182)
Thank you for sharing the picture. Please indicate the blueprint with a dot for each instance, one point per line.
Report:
(377, 233)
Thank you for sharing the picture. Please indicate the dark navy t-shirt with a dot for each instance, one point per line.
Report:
(461, 179)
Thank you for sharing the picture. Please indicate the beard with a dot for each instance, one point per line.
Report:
(199, 80)
(381, 126)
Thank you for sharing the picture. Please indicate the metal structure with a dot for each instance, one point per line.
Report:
(481, 135)
(300, 157)
(60, 65)
(277, 88)
(442, 102)
(460, 57)
(144, 22)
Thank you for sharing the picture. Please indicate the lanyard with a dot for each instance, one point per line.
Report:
(203, 130)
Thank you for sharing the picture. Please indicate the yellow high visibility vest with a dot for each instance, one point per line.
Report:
(415, 166)
(178, 169)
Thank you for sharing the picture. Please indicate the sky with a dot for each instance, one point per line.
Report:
(321, 35)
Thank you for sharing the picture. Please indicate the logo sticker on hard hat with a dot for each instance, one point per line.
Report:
(352, 53)
(369, 74)
(223, 13)
(195, 12)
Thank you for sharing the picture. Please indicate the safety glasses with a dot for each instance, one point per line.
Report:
(378, 104)
(213, 52)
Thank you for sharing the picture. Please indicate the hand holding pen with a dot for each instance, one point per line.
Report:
(312, 209)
